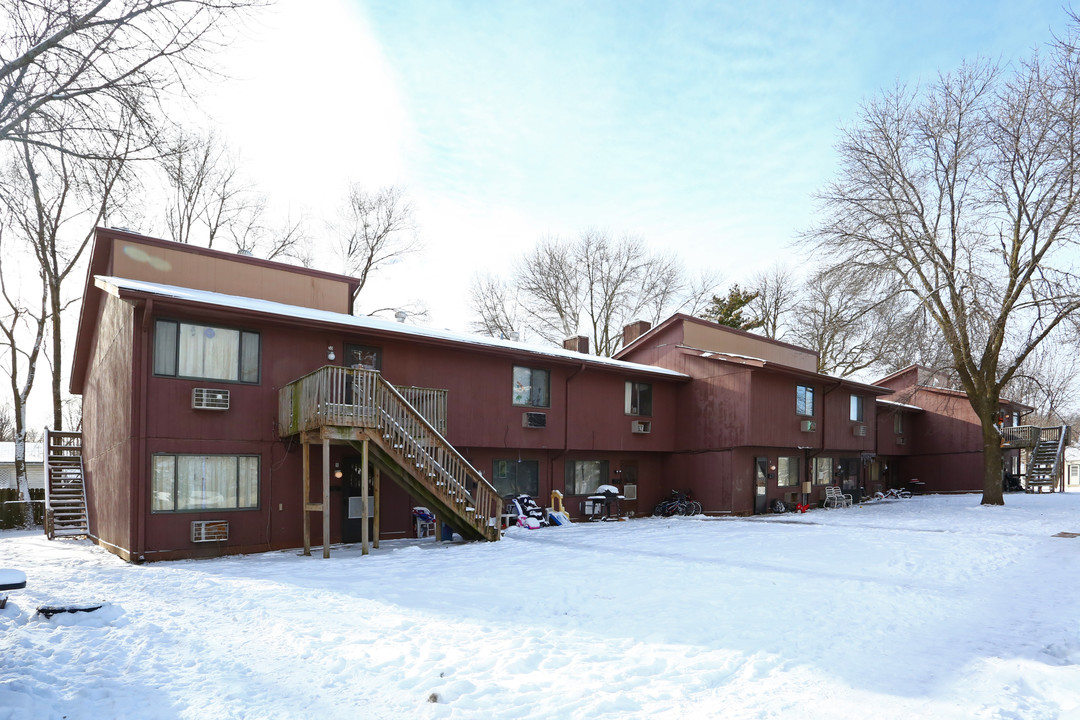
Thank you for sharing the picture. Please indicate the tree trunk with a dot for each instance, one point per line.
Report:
(993, 488)
(22, 482)
(57, 349)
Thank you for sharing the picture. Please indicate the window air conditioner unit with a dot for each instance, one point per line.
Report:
(641, 427)
(809, 426)
(900, 440)
(208, 399)
(859, 431)
(209, 530)
(534, 420)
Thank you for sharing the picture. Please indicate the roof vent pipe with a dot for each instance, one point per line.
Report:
(401, 315)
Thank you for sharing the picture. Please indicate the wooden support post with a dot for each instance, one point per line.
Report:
(378, 482)
(307, 495)
(364, 534)
(326, 497)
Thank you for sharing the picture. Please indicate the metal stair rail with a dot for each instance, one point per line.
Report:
(347, 397)
(65, 488)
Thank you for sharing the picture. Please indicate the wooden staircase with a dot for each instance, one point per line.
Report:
(1045, 461)
(65, 490)
(345, 405)
(1046, 448)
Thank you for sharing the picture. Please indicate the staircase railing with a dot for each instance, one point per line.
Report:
(63, 456)
(350, 397)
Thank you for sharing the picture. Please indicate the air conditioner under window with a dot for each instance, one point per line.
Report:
(209, 530)
(809, 426)
(859, 431)
(534, 420)
(209, 399)
(641, 427)
(900, 440)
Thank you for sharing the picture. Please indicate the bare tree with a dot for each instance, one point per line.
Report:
(777, 293)
(17, 318)
(7, 423)
(851, 322)
(374, 230)
(496, 303)
(968, 193)
(593, 284)
(69, 68)
(46, 192)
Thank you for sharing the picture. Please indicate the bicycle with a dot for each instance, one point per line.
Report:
(678, 504)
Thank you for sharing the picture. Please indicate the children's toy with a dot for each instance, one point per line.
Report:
(557, 514)
(530, 515)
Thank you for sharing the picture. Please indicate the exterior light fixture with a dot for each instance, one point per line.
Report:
(330, 353)
(337, 466)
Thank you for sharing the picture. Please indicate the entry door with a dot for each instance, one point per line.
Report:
(352, 523)
(761, 479)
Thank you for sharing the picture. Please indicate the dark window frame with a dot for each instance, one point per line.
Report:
(638, 398)
(533, 401)
(856, 407)
(175, 360)
(571, 476)
(804, 395)
(175, 488)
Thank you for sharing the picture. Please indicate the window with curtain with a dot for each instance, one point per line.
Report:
(787, 471)
(584, 476)
(206, 352)
(823, 470)
(516, 477)
(638, 398)
(204, 482)
(531, 387)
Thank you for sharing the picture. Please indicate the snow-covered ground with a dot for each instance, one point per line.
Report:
(932, 607)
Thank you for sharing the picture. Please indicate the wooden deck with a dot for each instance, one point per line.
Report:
(397, 430)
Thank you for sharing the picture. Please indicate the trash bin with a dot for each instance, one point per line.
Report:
(447, 532)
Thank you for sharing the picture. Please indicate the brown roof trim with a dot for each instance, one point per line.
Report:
(109, 233)
(785, 369)
(677, 317)
(100, 254)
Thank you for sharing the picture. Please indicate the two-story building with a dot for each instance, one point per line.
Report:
(232, 404)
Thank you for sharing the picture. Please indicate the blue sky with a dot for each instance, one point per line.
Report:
(703, 127)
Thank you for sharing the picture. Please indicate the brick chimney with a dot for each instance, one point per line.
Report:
(577, 344)
(635, 330)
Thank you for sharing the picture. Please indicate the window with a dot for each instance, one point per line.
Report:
(366, 357)
(856, 408)
(204, 482)
(584, 476)
(516, 477)
(531, 387)
(804, 400)
(206, 352)
(898, 423)
(787, 471)
(638, 398)
(823, 470)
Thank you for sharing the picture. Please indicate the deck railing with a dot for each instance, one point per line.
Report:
(348, 397)
(335, 395)
(1028, 436)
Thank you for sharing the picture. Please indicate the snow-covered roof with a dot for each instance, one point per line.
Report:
(7, 452)
(901, 405)
(1072, 454)
(113, 285)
